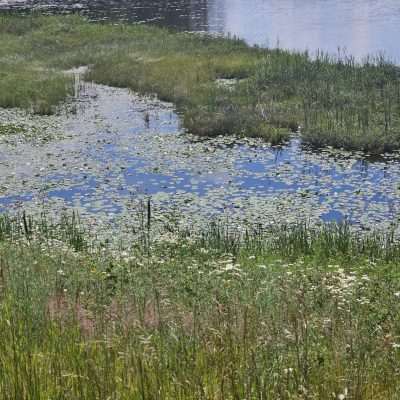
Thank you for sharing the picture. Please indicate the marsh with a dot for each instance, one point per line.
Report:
(199, 200)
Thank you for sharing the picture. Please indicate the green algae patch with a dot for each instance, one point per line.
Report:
(332, 100)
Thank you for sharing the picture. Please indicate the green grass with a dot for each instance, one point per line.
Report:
(37, 91)
(302, 315)
(335, 100)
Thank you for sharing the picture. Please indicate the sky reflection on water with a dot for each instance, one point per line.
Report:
(360, 27)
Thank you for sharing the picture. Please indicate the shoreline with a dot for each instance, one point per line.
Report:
(337, 103)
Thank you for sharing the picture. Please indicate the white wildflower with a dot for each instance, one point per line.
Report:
(288, 371)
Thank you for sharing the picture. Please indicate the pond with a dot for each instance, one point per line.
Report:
(359, 27)
(107, 156)
(104, 156)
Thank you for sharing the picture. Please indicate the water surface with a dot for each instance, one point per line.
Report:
(359, 27)
(107, 158)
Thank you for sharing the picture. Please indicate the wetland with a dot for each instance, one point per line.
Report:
(187, 215)
(248, 135)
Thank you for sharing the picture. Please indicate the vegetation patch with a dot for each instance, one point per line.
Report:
(335, 100)
(11, 129)
(307, 315)
(119, 143)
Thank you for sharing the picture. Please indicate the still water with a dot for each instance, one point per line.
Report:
(107, 157)
(360, 27)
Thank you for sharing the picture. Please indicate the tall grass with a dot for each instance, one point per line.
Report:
(184, 321)
(343, 103)
(334, 99)
(23, 227)
(37, 91)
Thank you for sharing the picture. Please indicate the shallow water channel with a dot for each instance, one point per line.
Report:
(114, 148)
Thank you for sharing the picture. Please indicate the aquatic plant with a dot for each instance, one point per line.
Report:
(35, 90)
(344, 103)
(23, 227)
(10, 129)
(334, 99)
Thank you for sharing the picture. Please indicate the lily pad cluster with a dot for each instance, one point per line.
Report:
(118, 151)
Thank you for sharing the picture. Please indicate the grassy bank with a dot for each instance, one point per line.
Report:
(304, 316)
(335, 100)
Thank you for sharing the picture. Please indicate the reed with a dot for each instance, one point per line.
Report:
(22, 227)
(334, 100)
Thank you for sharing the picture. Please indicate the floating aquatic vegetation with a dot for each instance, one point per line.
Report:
(108, 157)
(11, 129)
